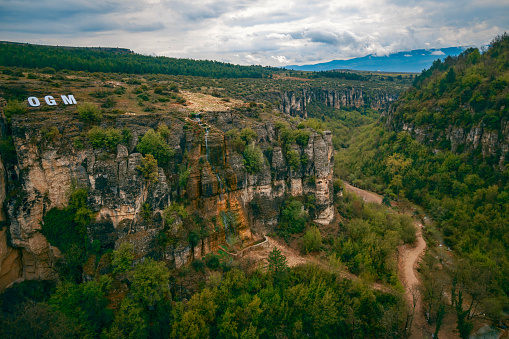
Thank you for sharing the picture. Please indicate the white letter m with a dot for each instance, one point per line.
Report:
(69, 99)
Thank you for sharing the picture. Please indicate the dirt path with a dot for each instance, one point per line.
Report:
(365, 195)
(407, 262)
(294, 258)
(407, 265)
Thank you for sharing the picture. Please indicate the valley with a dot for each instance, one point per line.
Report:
(198, 200)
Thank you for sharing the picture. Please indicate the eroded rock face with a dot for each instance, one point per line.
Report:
(476, 138)
(128, 207)
(295, 102)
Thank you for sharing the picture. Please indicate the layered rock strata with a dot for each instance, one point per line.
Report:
(218, 190)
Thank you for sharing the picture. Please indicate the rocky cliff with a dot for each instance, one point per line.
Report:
(295, 102)
(476, 139)
(206, 174)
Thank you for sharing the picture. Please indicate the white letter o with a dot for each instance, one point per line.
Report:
(34, 102)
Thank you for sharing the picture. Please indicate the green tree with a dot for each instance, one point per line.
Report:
(130, 321)
(153, 143)
(293, 217)
(312, 240)
(397, 164)
(150, 283)
(123, 258)
(248, 135)
(278, 267)
(84, 303)
(293, 159)
(253, 159)
(88, 112)
(149, 169)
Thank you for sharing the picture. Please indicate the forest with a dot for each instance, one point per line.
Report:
(110, 60)
(463, 189)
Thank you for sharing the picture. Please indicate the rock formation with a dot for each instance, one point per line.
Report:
(295, 102)
(219, 191)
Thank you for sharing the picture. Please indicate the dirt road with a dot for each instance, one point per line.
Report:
(365, 195)
(407, 262)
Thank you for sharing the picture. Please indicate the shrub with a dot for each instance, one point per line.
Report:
(110, 102)
(312, 240)
(248, 134)
(302, 137)
(148, 168)
(153, 143)
(89, 113)
(119, 90)
(293, 217)
(198, 265)
(163, 130)
(13, 108)
(123, 258)
(109, 137)
(253, 159)
(212, 261)
(51, 134)
(293, 159)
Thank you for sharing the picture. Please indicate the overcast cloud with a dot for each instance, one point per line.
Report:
(263, 32)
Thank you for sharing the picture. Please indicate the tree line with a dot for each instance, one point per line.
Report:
(119, 61)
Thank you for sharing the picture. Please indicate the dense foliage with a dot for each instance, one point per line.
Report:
(119, 61)
(305, 301)
(465, 193)
(462, 91)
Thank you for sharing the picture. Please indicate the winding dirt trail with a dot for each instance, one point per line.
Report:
(408, 259)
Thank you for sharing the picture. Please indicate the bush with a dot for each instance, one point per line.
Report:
(312, 240)
(13, 108)
(302, 137)
(89, 113)
(248, 134)
(198, 265)
(148, 168)
(212, 261)
(109, 137)
(293, 159)
(253, 159)
(153, 143)
(293, 218)
(123, 258)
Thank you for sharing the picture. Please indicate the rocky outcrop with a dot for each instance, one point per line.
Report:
(10, 257)
(294, 102)
(477, 138)
(218, 190)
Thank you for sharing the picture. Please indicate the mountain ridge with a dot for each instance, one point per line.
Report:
(407, 61)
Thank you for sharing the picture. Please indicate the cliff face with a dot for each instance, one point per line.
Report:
(489, 142)
(295, 102)
(219, 191)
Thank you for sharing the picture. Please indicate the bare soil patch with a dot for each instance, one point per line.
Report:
(204, 102)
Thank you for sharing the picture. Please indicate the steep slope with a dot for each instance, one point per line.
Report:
(199, 197)
(444, 145)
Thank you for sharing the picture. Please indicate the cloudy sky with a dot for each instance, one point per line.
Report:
(275, 33)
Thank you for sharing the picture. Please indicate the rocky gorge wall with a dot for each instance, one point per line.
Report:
(478, 138)
(219, 191)
(295, 102)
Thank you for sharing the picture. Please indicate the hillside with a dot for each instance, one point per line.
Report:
(444, 146)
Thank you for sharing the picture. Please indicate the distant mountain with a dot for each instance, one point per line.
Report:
(413, 61)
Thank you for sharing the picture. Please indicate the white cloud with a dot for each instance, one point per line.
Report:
(256, 31)
(437, 53)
